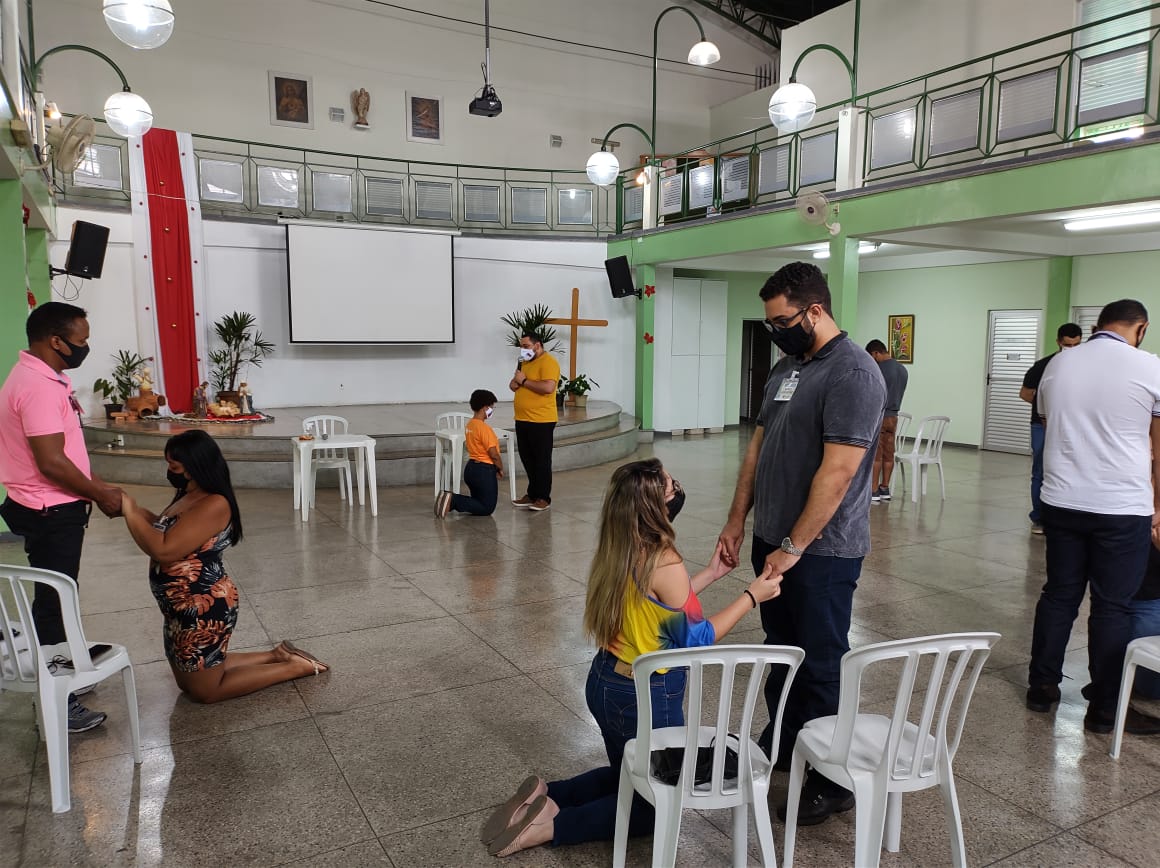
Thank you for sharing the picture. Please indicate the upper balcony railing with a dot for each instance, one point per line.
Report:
(1082, 85)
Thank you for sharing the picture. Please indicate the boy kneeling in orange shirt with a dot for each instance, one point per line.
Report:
(484, 466)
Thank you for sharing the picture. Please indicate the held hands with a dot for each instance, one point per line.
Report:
(766, 586)
(719, 566)
(729, 543)
(109, 502)
(128, 504)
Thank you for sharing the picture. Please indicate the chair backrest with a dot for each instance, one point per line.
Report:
(900, 429)
(955, 662)
(452, 422)
(739, 666)
(928, 440)
(328, 425)
(21, 657)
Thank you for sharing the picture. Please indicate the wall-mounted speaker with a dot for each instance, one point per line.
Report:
(86, 250)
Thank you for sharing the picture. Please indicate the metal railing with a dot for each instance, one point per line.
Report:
(1045, 95)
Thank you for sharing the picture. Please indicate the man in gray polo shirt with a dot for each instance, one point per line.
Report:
(806, 475)
(896, 378)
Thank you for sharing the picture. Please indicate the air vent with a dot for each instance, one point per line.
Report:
(338, 115)
(555, 141)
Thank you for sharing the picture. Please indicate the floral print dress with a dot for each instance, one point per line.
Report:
(199, 601)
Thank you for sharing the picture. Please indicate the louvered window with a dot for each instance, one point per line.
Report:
(278, 187)
(385, 197)
(100, 167)
(773, 170)
(529, 205)
(700, 187)
(1027, 105)
(954, 123)
(332, 192)
(433, 200)
(574, 207)
(819, 159)
(221, 181)
(480, 203)
(734, 178)
(892, 139)
(672, 191)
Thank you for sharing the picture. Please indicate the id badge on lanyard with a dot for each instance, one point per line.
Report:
(788, 387)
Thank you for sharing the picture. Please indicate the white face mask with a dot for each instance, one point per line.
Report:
(487, 413)
(527, 355)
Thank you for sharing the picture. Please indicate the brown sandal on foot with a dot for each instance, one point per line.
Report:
(319, 666)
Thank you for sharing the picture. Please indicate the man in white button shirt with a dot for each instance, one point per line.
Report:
(1101, 402)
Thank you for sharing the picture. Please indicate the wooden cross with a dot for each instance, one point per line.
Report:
(575, 322)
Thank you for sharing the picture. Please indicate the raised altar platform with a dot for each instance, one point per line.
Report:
(260, 453)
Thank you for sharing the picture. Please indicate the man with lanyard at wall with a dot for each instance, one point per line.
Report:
(534, 384)
(44, 465)
(806, 475)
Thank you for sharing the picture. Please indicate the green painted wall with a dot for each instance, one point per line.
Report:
(13, 299)
(1096, 280)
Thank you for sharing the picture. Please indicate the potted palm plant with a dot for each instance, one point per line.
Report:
(578, 389)
(532, 319)
(116, 392)
(242, 344)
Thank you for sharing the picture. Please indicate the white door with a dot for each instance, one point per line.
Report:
(1085, 318)
(1013, 346)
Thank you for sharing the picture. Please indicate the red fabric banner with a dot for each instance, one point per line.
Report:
(172, 267)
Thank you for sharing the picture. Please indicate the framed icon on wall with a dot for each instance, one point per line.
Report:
(425, 119)
(900, 330)
(291, 100)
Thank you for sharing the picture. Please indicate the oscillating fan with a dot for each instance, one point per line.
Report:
(814, 208)
(71, 143)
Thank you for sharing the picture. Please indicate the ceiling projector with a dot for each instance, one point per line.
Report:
(486, 105)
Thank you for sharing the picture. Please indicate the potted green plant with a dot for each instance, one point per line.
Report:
(120, 389)
(242, 344)
(532, 319)
(579, 388)
(560, 393)
(107, 390)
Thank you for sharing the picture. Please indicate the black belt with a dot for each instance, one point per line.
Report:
(86, 505)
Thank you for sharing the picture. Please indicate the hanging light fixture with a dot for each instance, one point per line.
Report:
(140, 23)
(602, 168)
(704, 53)
(128, 114)
(792, 107)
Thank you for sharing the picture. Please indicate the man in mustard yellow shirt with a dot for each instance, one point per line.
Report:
(534, 385)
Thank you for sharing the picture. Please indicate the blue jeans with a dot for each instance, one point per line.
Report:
(1146, 622)
(484, 487)
(1111, 553)
(588, 801)
(1037, 432)
(812, 612)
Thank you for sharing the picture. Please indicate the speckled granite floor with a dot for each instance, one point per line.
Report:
(458, 669)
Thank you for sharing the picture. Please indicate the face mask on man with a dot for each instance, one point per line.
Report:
(794, 340)
(78, 353)
(526, 355)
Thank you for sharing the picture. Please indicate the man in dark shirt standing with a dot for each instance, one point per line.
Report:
(806, 475)
(894, 373)
(1069, 335)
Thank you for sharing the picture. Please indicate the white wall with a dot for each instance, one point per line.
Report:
(211, 77)
(246, 270)
(900, 40)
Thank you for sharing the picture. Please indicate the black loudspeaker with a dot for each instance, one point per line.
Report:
(620, 277)
(86, 250)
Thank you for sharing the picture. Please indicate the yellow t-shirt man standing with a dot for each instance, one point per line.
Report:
(534, 385)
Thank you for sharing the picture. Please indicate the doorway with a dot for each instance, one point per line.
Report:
(1013, 346)
(758, 356)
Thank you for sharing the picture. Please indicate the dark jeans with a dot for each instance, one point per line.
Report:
(812, 612)
(1146, 622)
(534, 442)
(52, 540)
(484, 487)
(1110, 552)
(588, 801)
(1037, 432)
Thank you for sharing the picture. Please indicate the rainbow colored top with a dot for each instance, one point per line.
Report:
(650, 625)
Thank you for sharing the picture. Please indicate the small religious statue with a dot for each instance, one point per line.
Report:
(201, 401)
(360, 101)
(143, 379)
(245, 400)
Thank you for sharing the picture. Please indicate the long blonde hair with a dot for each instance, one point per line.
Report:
(634, 532)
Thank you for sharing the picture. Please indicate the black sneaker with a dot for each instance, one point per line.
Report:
(820, 798)
(884, 493)
(81, 719)
(1041, 697)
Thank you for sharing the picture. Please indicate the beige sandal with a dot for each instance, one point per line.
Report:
(319, 666)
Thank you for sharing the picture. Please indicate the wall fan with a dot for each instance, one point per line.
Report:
(814, 208)
(67, 144)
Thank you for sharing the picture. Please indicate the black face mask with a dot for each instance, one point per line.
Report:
(676, 503)
(77, 353)
(795, 340)
(177, 480)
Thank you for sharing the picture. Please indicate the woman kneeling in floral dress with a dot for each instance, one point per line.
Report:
(188, 578)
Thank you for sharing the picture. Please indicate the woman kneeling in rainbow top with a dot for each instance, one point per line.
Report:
(640, 599)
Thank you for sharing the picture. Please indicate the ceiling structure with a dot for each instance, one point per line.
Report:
(765, 19)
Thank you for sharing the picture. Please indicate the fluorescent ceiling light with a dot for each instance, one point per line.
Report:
(863, 248)
(1114, 221)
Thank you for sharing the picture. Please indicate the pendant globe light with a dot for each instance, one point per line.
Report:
(140, 23)
(704, 53)
(792, 107)
(128, 114)
(602, 168)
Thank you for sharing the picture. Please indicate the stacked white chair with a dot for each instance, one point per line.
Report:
(1145, 652)
(926, 450)
(27, 666)
(740, 666)
(450, 431)
(322, 427)
(880, 757)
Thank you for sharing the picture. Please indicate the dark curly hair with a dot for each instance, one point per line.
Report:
(801, 283)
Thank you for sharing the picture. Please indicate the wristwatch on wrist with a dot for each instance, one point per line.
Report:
(789, 548)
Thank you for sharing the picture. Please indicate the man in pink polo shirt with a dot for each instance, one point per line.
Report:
(45, 466)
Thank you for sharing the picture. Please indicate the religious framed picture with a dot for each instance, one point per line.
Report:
(900, 332)
(425, 119)
(291, 100)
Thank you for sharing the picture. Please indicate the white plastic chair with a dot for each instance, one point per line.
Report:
(925, 451)
(329, 459)
(1145, 652)
(450, 431)
(880, 757)
(741, 665)
(26, 667)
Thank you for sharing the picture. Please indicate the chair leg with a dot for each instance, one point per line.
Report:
(667, 830)
(797, 773)
(954, 819)
(893, 836)
(1126, 681)
(925, 471)
(130, 682)
(456, 465)
(761, 820)
(623, 808)
(941, 480)
(54, 710)
(313, 486)
(917, 472)
(869, 819)
(349, 484)
(741, 836)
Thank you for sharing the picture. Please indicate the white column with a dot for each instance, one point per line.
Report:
(851, 148)
(10, 42)
(649, 220)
